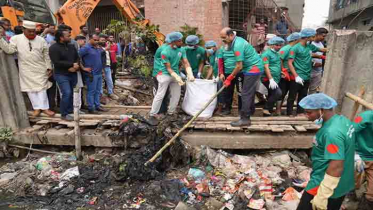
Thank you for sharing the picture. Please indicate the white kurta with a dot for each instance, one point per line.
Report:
(33, 63)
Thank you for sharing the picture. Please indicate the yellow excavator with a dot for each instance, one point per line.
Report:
(33, 10)
(75, 13)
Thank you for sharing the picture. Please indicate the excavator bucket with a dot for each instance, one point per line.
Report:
(76, 13)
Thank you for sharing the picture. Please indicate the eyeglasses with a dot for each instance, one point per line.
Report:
(30, 45)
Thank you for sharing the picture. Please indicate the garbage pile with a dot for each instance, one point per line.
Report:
(228, 182)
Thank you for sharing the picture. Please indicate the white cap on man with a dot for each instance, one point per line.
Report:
(29, 24)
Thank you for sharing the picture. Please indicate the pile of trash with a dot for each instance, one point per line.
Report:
(270, 181)
(217, 180)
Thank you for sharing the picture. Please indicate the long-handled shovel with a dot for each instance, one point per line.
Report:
(182, 129)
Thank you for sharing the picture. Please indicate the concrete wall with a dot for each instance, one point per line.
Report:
(296, 10)
(363, 22)
(349, 67)
(207, 15)
(336, 14)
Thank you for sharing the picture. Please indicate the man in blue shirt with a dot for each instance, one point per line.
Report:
(282, 28)
(91, 57)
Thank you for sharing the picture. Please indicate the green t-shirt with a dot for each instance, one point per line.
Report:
(243, 51)
(363, 124)
(214, 61)
(173, 57)
(302, 56)
(195, 57)
(273, 59)
(158, 60)
(229, 60)
(284, 55)
(334, 141)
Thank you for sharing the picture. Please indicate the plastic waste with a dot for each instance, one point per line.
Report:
(197, 174)
(256, 204)
(70, 173)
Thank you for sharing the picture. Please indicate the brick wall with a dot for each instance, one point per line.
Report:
(170, 15)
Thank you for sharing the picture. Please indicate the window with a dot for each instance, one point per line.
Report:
(344, 3)
(35, 10)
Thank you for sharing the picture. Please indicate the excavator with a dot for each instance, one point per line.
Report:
(33, 10)
(75, 13)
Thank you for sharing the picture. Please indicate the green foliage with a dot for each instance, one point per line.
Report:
(6, 134)
(118, 27)
(140, 65)
(187, 30)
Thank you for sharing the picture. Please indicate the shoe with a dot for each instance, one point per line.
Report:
(266, 113)
(244, 121)
(114, 97)
(100, 109)
(225, 112)
(92, 112)
(36, 113)
(49, 113)
(67, 118)
(153, 121)
(219, 110)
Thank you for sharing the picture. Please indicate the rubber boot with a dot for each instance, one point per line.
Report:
(244, 121)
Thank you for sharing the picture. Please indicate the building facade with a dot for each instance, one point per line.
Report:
(351, 14)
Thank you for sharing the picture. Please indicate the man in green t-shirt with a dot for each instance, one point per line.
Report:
(212, 52)
(169, 76)
(272, 76)
(156, 70)
(195, 54)
(251, 65)
(300, 65)
(332, 156)
(363, 124)
(287, 77)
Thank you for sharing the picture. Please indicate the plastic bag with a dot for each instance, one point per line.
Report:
(198, 93)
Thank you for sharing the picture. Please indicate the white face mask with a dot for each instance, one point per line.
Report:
(319, 121)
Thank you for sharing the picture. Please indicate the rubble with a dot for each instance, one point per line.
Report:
(216, 180)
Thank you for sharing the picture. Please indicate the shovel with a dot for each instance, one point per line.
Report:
(182, 129)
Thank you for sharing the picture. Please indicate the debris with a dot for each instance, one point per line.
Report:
(256, 204)
(197, 174)
(70, 173)
(6, 177)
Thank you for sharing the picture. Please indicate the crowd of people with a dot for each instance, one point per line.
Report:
(51, 64)
(290, 68)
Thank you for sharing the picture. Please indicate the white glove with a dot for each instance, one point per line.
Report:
(215, 80)
(183, 76)
(272, 84)
(199, 75)
(178, 79)
(359, 164)
(299, 80)
(190, 74)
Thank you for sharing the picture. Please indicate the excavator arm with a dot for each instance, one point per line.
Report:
(75, 13)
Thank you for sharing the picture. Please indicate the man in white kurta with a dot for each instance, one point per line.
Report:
(34, 66)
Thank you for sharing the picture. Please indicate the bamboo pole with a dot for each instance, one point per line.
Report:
(78, 142)
(359, 100)
(37, 150)
(357, 105)
(182, 129)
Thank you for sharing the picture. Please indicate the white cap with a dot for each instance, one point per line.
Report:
(270, 36)
(29, 24)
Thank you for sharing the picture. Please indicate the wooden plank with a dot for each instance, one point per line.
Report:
(201, 126)
(356, 104)
(43, 122)
(260, 122)
(359, 100)
(34, 128)
(300, 128)
(257, 119)
(240, 140)
(276, 129)
(312, 127)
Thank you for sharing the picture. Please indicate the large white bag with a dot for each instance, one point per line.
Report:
(198, 93)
